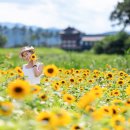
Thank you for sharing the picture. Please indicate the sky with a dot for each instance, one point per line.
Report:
(89, 16)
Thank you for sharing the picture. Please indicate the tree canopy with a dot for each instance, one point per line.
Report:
(121, 13)
(116, 44)
(3, 40)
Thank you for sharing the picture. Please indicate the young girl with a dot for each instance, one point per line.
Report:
(33, 70)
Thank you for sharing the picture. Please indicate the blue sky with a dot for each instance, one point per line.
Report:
(90, 16)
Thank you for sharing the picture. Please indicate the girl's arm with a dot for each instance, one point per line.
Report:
(38, 70)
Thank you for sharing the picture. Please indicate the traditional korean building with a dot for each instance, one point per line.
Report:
(73, 39)
(70, 39)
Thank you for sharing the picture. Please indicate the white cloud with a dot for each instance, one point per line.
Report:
(23, 2)
(88, 16)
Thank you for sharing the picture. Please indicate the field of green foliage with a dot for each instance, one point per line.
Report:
(66, 59)
(83, 91)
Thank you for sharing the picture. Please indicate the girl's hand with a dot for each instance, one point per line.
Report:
(34, 62)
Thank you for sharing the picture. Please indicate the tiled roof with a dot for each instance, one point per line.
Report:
(94, 38)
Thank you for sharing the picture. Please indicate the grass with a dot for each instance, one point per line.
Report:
(66, 59)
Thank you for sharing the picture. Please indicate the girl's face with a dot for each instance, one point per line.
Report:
(26, 55)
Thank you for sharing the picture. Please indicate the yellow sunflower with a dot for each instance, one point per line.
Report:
(56, 87)
(44, 117)
(86, 99)
(97, 115)
(89, 109)
(6, 108)
(127, 102)
(117, 120)
(81, 88)
(11, 73)
(3, 72)
(33, 57)
(109, 76)
(48, 120)
(97, 91)
(80, 79)
(96, 88)
(68, 98)
(18, 89)
(90, 80)
(62, 81)
(19, 71)
(62, 116)
(115, 92)
(36, 89)
(43, 96)
(76, 127)
(77, 71)
(106, 110)
(121, 73)
(114, 109)
(72, 80)
(116, 102)
(60, 70)
(120, 82)
(50, 70)
(108, 66)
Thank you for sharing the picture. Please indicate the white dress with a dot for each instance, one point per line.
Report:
(29, 75)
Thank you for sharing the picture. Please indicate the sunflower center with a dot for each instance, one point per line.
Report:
(35, 89)
(72, 80)
(18, 89)
(69, 98)
(128, 102)
(77, 127)
(63, 82)
(114, 111)
(57, 83)
(19, 71)
(80, 79)
(56, 87)
(121, 74)
(46, 80)
(116, 92)
(50, 70)
(106, 110)
(94, 76)
(43, 96)
(46, 119)
(85, 74)
(91, 110)
(11, 74)
(120, 82)
(109, 75)
(96, 93)
(59, 115)
(90, 80)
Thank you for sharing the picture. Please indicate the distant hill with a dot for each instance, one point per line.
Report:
(19, 34)
(105, 34)
(11, 25)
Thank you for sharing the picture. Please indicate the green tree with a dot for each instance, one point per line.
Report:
(121, 13)
(3, 40)
(117, 44)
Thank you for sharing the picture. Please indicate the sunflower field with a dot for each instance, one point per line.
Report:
(78, 91)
